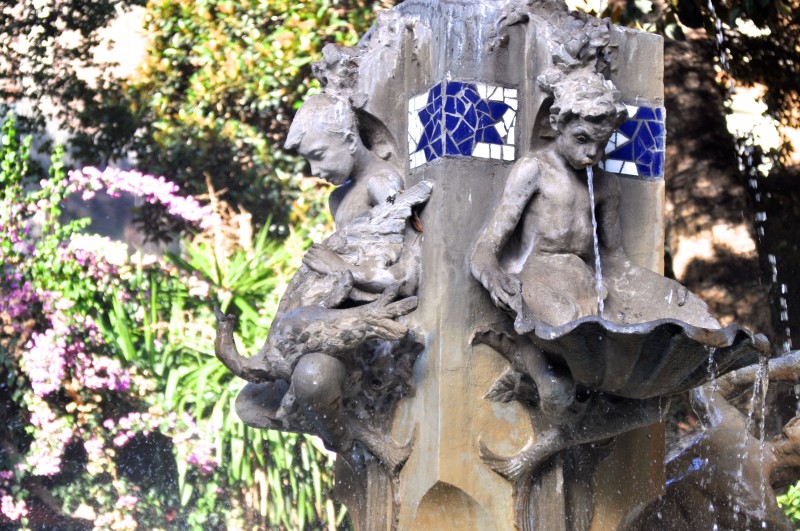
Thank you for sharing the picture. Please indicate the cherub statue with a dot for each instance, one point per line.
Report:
(536, 256)
(302, 376)
(325, 131)
(537, 260)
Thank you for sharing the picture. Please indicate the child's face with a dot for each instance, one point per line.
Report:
(582, 143)
(330, 155)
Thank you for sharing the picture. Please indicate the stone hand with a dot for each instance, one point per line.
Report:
(323, 260)
(502, 287)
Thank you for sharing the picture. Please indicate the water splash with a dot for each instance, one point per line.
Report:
(758, 412)
(754, 174)
(763, 387)
(712, 371)
(761, 382)
(598, 272)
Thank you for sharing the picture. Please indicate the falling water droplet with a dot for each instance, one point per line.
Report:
(712, 370)
(721, 51)
(754, 174)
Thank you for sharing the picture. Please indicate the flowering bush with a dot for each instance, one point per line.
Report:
(119, 415)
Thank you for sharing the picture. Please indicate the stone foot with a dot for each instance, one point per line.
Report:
(531, 457)
(381, 445)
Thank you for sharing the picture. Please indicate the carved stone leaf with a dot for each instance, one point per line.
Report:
(512, 386)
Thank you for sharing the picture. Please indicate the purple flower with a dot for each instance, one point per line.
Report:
(100, 372)
(44, 362)
(52, 434)
(126, 501)
(152, 189)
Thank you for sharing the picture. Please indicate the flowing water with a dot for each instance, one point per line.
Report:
(754, 174)
(761, 383)
(598, 272)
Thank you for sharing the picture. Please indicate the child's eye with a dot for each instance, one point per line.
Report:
(581, 139)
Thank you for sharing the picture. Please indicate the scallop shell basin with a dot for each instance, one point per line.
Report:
(643, 360)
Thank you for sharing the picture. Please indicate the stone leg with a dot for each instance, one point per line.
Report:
(604, 417)
(556, 387)
(318, 380)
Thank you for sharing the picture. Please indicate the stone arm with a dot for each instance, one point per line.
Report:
(336, 198)
(522, 184)
(380, 187)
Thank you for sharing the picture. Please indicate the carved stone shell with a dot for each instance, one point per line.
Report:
(645, 360)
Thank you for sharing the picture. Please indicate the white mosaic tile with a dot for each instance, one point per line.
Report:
(415, 128)
(481, 150)
(629, 168)
(483, 90)
(508, 118)
(417, 159)
(612, 166)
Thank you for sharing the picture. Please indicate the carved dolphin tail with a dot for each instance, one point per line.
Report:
(225, 348)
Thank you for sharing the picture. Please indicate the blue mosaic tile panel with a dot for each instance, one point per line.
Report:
(636, 148)
(462, 119)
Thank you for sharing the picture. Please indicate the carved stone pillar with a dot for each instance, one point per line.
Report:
(444, 56)
(542, 415)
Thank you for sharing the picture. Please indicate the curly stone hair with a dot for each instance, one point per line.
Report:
(324, 112)
(582, 94)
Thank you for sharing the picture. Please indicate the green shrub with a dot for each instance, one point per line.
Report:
(115, 405)
(220, 85)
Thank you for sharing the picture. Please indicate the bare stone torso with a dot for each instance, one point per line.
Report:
(557, 274)
(557, 218)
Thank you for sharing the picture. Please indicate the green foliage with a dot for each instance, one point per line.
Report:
(44, 45)
(770, 57)
(289, 471)
(790, 503)
(108, 366)
(221, 84)
(212, 102)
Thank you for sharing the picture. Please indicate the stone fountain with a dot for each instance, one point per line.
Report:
(486, 340)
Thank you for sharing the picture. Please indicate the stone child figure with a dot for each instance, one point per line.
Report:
(536, 259)
(326, 132)
(304, 374)
(536, 256)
